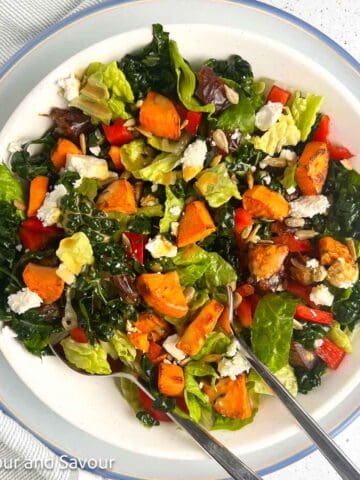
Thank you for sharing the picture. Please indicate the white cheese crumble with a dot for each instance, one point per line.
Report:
(154, 187)
(87, 166)
(318, 342)
(288, 154)
(174, 228)
(321, 295)
(14, 147)
(70, 86)
(95, 150)
(309, 206)
(236, 135)
(290, 190)
(161, 247)
(174, 211)
(234, 363)
(312, 263)
(170, 346)
(21, 301)
(193, 159)
(130, 328)
(268, 115)
(49, 212)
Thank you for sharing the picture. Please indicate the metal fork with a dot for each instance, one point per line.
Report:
(325, 444)
(215, 449)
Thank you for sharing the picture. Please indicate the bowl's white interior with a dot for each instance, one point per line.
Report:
(95, 405)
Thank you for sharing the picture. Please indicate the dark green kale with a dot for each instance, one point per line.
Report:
(78, 213)
(347, 308)
(29, 166)
(111, 257)
(67, 179)
(147, 419)
(151, 68)
(113, 316)
(163, 403)
(343, 219)
(269, 180)
(140, 224)
(309, 333)
(9, 237)
(309, 379)
(245, 157)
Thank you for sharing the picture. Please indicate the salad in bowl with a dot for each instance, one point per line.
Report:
(156, 187)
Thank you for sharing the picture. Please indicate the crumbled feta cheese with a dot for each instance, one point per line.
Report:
(290, 190)
(265, 177)
(297, 325)
(309, 206)
(174, 228)
(70, 86)
(288, 154)
(268, 115)
(312, 263)
(318, 342)
(77, 183)
(193, 159)
(174, 211)
(49, 212)
(21, 301)
(130, 328)
(170, 346)
(154, 187)
(321, 295)
(19, 247)
(14, 147)
(95, 150)
(87, 166)
(236, 135)
(160, 247)
(234, 363)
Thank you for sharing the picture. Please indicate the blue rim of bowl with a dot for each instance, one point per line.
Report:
(252, 3)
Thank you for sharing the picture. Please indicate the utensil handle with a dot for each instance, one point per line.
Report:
(230, 462)
(326, 445)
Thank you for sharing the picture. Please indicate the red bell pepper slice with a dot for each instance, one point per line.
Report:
(35, 236)
(278, 94)
(301, 291)
(254, 300)
(137, 243)
(330, 353)
(147, 403)
(244, 313)
(78, 334)
(322, 132)
(294, 245)
(194, 119)
(242, 219)
(245, 290)
(117, 134)
(338, 152)
(313, 315)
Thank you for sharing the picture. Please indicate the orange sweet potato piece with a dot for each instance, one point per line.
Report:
(195, 225)
(230, 397)
(139, 340)
(262, 202)
(37, 193)
(61, 149)
(312, 168)
(44, 281)
(224, 321)
(331, 250)
(266, 260)
(155, 327)
(204, 323)
(159, 116)
(115, 155)
(163, 292)
(156, 353)
(119, 196)
(171, 380)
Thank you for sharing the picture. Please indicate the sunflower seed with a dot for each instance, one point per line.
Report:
(216, 160)
(130, 123)
(221, 140)
(184, 123)
(351, 246)
(189, 293)
(82, 141)
(144, 132)
(139, 103)
(294, 222)
(305, 234)
(231, 95)
(250, 179)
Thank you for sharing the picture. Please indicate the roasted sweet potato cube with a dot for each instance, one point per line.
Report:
(266, 260)
(195, 225)
(171, 379)
(262, 202)
(312, 168)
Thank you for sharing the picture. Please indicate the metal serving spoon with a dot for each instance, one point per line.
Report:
(230, 462)
(326, 445)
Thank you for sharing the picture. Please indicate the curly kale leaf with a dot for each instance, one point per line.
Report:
(309, 379)
(343, 219)
(29, 166)
(309, 333)
(245, 157)
(111, 257)
(80, 214)
(9, 237)
(235, 68)
(151, 68)
(347, 310)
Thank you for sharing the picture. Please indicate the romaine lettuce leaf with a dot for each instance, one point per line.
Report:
(118, 108)
(272, 328)
(170, 146)
(196, 400)
(216, 186)
(91, 358)
(189, 274)
(340, 338)
(10, 188)
(304, 111)
(232, 424)
(288, 179)
(133, 155)
(216, 342)
(116, 81)
(186, 82)
(241, 116)
(219, 272)
(123, 347)
(284, 132)
(285, 375)
(159, 169)
(173, 209)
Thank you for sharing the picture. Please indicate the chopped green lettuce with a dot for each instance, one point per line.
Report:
(285, 375)
(340, 337)
(123, 347)
(173, 209)
(241, 116)
(272, 328)
(232, 424)
(10, 188)
(216, 186)
(196, 400)
(216, 342)
(91, 358)
(116, 81)
(284, 132)
(170, 146)
(158, 170)
(288, 179)
(219, 272)
(304, 111)
(186, 82)
(133, 155)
